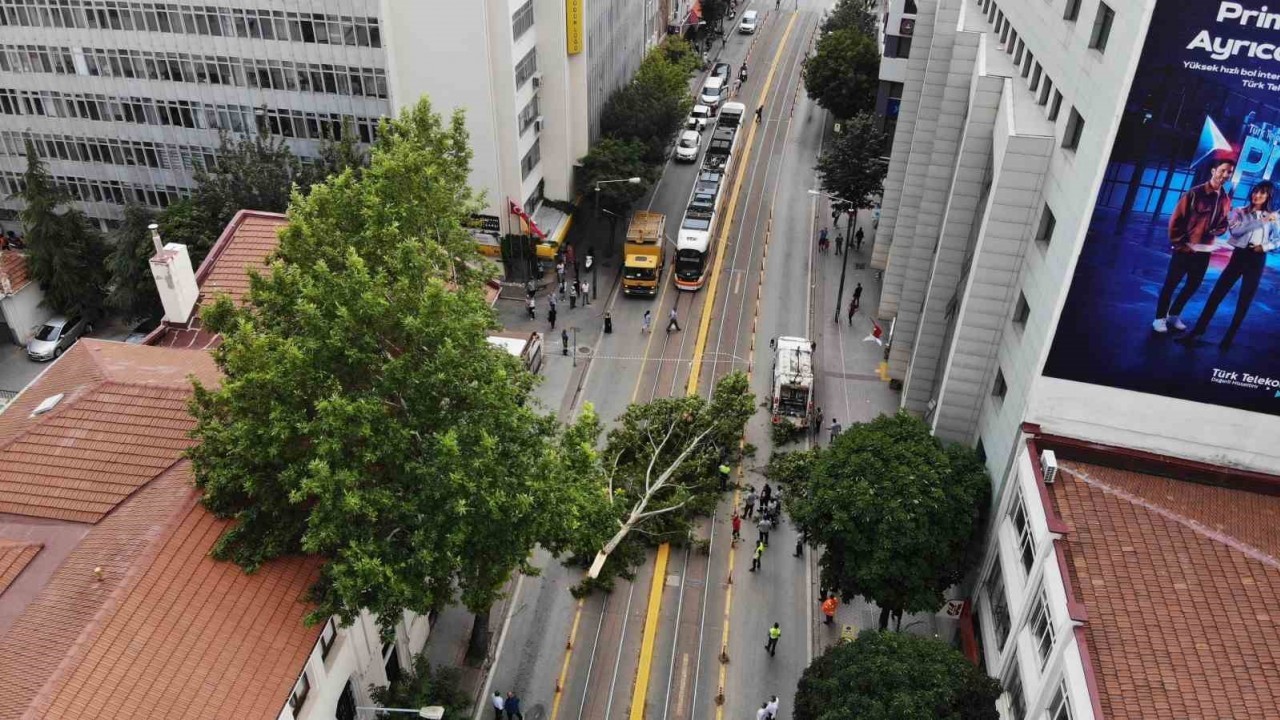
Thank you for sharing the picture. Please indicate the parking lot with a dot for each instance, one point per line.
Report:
(16, 371)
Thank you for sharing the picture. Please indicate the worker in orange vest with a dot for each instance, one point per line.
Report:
(829, 608)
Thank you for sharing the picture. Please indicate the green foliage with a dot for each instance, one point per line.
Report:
(858, 15)
(681, 53)
(422, 685)
(783, 433)
(65, 252)
(133, 289)
(336, 156)
(895, 512)
(651, 108)
(363, 415)
(792, 468)
(844, 72)
(893, 676)
(612, 159)
(853, 167)
(714, 12)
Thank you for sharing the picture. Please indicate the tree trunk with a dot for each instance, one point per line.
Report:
(897, 620)
(884, 619)
(478, 646)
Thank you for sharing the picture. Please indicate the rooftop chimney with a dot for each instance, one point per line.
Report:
(171, 267)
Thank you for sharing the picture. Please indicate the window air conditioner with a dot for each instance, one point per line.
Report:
(537, 123)
(537, 80)
(1049, 466)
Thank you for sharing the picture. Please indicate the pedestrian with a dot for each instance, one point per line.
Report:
(822, 240)
(586, 294)
(724, 475)
(763, 712)
(608, 323)
(530, 287)
(853, 308)
(829, 609)
(673, 322)
(512, 705)
(572, 257)
(835, 429)
(562, 289)
(817, 422)
(765, 495)
(799, 546)
(560, 268)
(564, 341)
(763, 527)
(551, 317)
(757, 555)
(775, 632)
(749, 508)
(759, 113)
(857, 296)
(857, 237)
(646, 324)
(839, 243)
(573, 295)
(532, 306)
(551, 300)
(835, 217)
(498, 705)
(772, 707)
(736, 522)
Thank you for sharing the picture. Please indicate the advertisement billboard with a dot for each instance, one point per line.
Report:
(1177, 288)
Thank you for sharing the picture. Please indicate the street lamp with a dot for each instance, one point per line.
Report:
(430, 712)
(848, 240)
(631, 180)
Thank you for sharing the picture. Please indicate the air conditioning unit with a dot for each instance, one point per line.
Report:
(1049, 466)
(537, 80)
(537, 123)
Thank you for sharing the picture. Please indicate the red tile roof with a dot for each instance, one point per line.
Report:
(13, 270)
(14, 557)
(1179, 581)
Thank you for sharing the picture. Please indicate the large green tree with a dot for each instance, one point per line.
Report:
(422, 685)
(612, 159)
(895, 512)
(895, 676)
(843, 74)
(651, 108)
(133, 288)
(859, 15)
(853, 166)
(363, 416)
(65, 252)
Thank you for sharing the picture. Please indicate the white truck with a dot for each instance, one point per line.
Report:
(792, 398)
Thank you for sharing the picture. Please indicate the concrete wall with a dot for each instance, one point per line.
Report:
(24, 313)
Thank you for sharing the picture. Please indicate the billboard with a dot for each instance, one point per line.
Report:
(1177, 288)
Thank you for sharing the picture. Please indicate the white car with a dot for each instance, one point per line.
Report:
(688, 146)
(698, 118)
(750, 19)
(712, 93)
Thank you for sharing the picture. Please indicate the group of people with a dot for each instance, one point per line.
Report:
(1203, 214)
(509, 705)
(824, 241)
(770, 507)
(768, 709)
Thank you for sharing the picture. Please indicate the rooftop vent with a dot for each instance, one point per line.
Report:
(47, 404)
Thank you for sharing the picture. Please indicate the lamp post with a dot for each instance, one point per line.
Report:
(430, 712)
(631, 180)
(848, 233)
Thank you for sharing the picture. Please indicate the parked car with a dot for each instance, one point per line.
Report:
(142, 330)
(698, 118)
(722, 70)
(712, 93)
(55, 336)
(750, 19)
(688, 146)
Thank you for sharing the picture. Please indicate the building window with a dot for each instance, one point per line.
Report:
(1072, 11)
(1013, 40)
(1004, 34)
(522, 20)
(1101, 28)
(1044, 233)
(999, 603)
(527, 66)
(1056, 106)
(529, 114)
(896, 46)
(530, 160)
(1013, 688)
(1045, 91)
(1075, 128)
(1035, 77)
(1042, 628)
(1060, 705)
(327, 636)
(1017, 56)
(1022, 531)
(300, 691)
(1000, 387)
(1021, 311)
(1026, 65)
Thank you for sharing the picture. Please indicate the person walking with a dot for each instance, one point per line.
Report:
(551, 317)
(564, 340)
(817, 422)
(835, 218)
(835, 429)
(562, 288)
(772, 707)
(552, 301)
(822, 240)
(530, 287)
(763, 527)
(839, 243)
(857, 239)
(829, 609)
(512, 706)
(736, 522)
(857, 296)
(573, 295)
(532, 306)
(853, 308)
(646, 323)
(749, 507)
(775, 632)
(672, 322)
(560, 268)
(757, 555)
(608, 323)
(498, 705)
(763, 712)
(765, 494)
(586, 293)
(759, 113)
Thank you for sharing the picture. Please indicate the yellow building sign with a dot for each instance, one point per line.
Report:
(573, 25)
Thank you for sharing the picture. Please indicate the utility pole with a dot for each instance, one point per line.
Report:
(844, 266)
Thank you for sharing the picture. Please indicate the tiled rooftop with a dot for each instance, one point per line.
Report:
(14, 557)
(1179, 581)
(245, 245)
(13, 269)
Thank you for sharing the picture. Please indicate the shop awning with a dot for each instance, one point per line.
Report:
(695, 13)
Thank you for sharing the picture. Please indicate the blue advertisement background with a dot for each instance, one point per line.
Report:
(1105, 334)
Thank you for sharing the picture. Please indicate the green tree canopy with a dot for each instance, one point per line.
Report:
(133, 288)
(859, 15)
(422, 685)
(65, 252)
(651, 108)
(844, 73)
(363, 416)
(612, 159)
(895, 512)
(853, 166)
(895, 676)
(714, 13)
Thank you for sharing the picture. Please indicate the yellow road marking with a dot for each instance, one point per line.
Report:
(650, 636)
(564, 668)
(704, 326)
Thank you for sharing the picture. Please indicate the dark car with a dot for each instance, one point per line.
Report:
(722, 70)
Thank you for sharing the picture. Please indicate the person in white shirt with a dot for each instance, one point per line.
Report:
(498, 705)
(1253, 231)
(772, 707)
(763, 712)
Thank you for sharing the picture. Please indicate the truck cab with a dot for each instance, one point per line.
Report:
(792, 397)
(644, 254)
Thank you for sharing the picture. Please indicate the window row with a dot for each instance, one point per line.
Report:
(186, 113)
(529, 113)
(530, 160)
(522, 20)
(527, 66)
(253, 23)
(112, 151)
(104, 191)
(202, 69)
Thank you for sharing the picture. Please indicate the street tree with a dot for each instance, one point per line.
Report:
(859, 15)
(681, 53)
(853, 166)
(612, 159)
(364, 418)
(844, 72)
(660, 461)
(651, 108)
(714, 13)
(65, 252)
(133, 289)
(895, 512)
(895, 676)
(422, 685)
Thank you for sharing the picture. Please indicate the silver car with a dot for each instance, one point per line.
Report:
(55, 336)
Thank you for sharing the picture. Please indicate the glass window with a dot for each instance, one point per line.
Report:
(1072, 10)
(527, 66)
(522, 20)
(1075, 128)
(1056, 106)
(1044, 233)
(999, 388)
(1042, 629)
(999, 604)
(531, 160)
(1060, 704)
(1013, 689)
(1022, 531)
(1102, 28)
